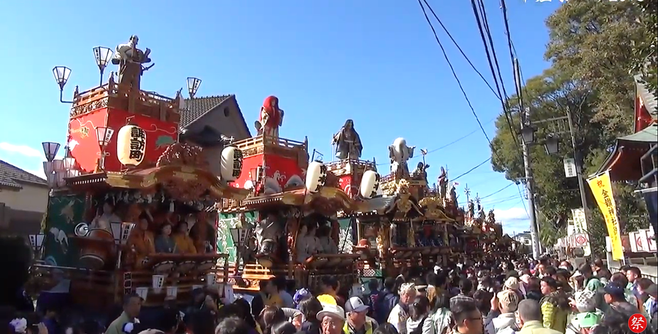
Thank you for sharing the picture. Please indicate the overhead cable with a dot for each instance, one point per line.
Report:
(498, 191)
(454, 74)
(472, 169)
(459, 48)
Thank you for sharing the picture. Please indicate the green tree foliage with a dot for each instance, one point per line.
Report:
(593, 42)
(646, 57)
(590, 79)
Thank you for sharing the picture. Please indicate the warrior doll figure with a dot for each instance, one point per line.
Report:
(270, 118)
(348, 142)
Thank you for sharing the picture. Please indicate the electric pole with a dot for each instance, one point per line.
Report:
(525, 125)
(579, 165)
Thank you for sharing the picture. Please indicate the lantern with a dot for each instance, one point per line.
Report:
(131, 145)
(369, 184)
(316, 176)
(231, 163)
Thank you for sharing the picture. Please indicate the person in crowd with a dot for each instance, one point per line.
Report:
(286, 298)
(385, 328)
(616, 299)
(330, 287)
(440, 315)
(530, 319)
(231, 325)
(371, 296)
(633, 274)
(326, 245)
(508, 302)
(243, 311)
(169, 321)
(400, 312)
(431, 278)
(357, 322)
(270, 316)
(642, 286)
(587, 322)
(268, 296)
(554, 305)
(562, 277)
(386, 300)
(200, 322)
(332, 319)
(597, 265)
(51, 318)
(165, 243)
(604, 275)
(467, 317)
(310, 308)
(533, 289)
(482, 299)
(617, 323)
(418, 322)
(650, 305)
(18, 264)
(284, 328)
(132, 305)
(183, 241)
(465, 287)
(566, 265)
(591, 282)
(621, 280)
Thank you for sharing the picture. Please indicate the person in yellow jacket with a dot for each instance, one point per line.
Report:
(184, 244)
(357, 321)
(555, 306)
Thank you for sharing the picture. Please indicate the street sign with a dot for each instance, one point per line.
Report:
(579, 221)
(581, 239)
(570, 167)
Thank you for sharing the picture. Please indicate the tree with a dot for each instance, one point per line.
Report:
(646, 57)
(593, 42)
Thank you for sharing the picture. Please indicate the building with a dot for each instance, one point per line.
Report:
(523, 238)
(23, 200)
(209, 121)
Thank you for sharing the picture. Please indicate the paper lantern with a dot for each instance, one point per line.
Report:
(131, 145)
(231, 163)
(369, 184)
(316, 176)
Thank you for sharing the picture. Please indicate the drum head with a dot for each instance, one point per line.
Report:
(205, 265)
(91, 261)
(185, 266)
(163, 267)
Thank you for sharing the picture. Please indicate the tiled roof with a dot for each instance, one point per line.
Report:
(195, 108)
(12, 176)
(649, 99)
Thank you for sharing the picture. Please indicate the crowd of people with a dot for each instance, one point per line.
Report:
(524, 296)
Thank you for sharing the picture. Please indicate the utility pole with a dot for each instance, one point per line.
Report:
(525, 123)
(579, 166)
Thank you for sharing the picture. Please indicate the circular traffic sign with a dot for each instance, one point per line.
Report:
(581, 240)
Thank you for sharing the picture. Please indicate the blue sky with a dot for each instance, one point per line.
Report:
(373, 61)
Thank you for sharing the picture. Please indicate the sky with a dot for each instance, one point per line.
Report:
(375, 62)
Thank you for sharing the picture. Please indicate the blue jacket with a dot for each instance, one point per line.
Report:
(386, 300)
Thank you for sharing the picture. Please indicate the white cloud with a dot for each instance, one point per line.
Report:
(37, 172)
(20, 149)
(511, 214)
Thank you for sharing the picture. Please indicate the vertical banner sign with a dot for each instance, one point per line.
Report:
(570, 167)
(580, 223)
(602, 190)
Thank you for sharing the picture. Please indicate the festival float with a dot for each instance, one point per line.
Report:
(131, 210)
(288, 225)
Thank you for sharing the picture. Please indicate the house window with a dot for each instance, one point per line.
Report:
(227, 111)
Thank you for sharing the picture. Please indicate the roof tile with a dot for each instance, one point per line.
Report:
(12, 176)
(196, 107)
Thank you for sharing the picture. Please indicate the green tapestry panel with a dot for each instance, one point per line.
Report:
(224, 239)
(64, 212)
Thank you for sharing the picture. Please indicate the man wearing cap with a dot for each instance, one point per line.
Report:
(614, 296)
(357, 321)
(332, 319)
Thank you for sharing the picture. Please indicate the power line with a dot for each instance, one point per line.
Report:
(472, 169)
(457, 45)
(498, 191)
(483, 25)
(454, 74)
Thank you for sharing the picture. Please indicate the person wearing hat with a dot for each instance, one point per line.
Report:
(615, 297)
(508, 302)
(332, 319)
(357, 320)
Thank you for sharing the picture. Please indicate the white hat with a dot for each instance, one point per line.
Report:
(355, 304)
(329, 310)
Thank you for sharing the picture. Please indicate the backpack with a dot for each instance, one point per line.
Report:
(384, 303)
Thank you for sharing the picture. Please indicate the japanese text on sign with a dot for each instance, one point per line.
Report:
(137, 143)
(602, 190)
